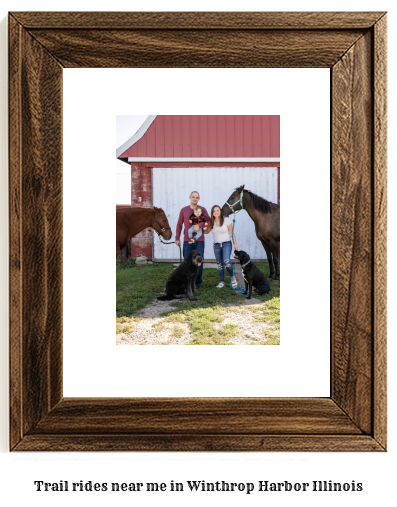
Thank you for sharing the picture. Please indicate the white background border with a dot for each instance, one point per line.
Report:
(18, 471)
(93, 364)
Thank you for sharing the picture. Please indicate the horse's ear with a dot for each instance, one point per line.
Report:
(241, 188)
(155, 209)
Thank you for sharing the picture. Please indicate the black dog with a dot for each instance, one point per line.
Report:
(253, 276)
(182, 279)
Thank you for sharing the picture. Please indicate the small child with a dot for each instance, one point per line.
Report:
(196, 218)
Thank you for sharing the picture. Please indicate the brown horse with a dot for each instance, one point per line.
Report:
(131, 221)
(266, 216)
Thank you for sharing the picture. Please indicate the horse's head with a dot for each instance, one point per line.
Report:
(161, 225)
(234, 203)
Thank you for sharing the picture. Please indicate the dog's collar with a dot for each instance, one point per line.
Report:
(243, 266)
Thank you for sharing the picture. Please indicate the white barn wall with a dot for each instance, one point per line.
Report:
(173, 185)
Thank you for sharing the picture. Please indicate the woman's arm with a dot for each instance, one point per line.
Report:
(230, 227)
(208, 229)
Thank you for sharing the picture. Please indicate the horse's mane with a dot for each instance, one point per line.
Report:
(260, 203)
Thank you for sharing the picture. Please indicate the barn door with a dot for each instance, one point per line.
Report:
(173, 185)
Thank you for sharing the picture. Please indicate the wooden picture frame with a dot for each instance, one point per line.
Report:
(353, 46)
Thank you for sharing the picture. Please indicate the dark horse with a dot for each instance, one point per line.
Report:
(266, 216)
(131, 221)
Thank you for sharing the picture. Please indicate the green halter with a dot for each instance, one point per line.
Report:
(231, 206)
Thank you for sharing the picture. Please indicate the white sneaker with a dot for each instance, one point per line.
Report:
(234, 282)
(220, 285)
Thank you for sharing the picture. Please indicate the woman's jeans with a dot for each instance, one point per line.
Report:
(198, 233)
(222, 255)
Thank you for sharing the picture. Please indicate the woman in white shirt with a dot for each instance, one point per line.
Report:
(222, 228)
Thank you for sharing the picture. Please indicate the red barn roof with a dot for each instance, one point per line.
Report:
(204, 137)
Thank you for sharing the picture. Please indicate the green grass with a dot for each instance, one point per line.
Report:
(123, 329)
(202, 320)
(124, 319)
(205, 321)
(211, 296)
(214, 335)
(270, 314)
(130, 263)
(158, 326)
(138, 286)
(272, 337)
(177, 332)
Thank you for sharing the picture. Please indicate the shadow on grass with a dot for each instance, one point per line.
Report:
(138, 288)
(211, 296)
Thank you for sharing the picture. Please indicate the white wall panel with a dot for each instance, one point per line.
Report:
(172, 187)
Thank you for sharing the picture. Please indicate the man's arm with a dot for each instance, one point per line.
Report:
(179, 227)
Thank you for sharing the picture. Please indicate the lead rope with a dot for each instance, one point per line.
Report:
(171, 243)
(241, 289)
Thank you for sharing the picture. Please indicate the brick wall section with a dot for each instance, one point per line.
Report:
(141, 186)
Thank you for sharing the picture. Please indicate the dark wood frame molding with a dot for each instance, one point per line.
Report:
(353, 46)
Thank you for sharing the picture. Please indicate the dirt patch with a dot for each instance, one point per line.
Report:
(149, 328)
(152, 329)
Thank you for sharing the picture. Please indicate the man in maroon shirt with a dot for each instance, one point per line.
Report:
(197, 245)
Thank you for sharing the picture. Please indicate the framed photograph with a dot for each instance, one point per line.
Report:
(188, 191)
(353, 46)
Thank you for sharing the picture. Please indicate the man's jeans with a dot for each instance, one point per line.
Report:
(187, 248)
